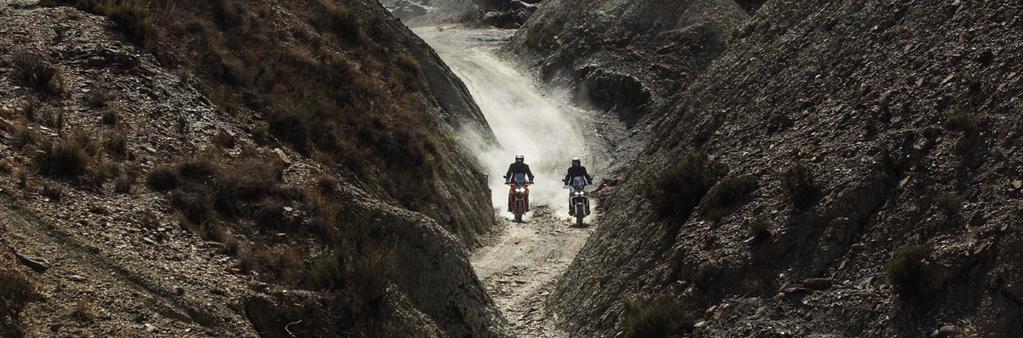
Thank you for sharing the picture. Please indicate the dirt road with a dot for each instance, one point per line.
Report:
(521, 267)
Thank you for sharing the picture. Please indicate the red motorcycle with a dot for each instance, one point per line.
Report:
(518, 198)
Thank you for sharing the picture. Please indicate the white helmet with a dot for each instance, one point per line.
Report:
(576, 161)
(520, 158)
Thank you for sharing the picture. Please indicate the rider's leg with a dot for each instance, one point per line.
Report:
(510, 192)
(571, 210)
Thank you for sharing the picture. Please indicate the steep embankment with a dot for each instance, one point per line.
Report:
(845, 168)
(628, 57)
(236, 167)
(496, 13)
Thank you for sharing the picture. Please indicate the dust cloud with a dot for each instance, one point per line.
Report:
(526, 119)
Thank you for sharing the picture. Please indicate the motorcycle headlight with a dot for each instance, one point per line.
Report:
(579, 193)
(520, 190)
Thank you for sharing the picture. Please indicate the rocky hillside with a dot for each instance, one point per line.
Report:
(628, 57)
(494, 13)
(842, 168)
(233, 168)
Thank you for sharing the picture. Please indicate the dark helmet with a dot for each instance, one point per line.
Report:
(576, 162)
(520, 158)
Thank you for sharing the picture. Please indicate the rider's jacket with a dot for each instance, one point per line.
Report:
(578, 171)
(518, 168)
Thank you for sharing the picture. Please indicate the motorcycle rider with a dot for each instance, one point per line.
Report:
(576, 170)
(518, 167)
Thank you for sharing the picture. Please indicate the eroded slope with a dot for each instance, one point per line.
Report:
(169, 200)
(876, 134)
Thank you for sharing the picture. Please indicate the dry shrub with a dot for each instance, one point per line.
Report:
(726, 195)
(6, 168)
(760, 231)
(62, 159)
(110, 117)
(163, 178)
(31, 107)
(224, 139)
(679, 189)
(52, 118)
(33, 71)
(124, 182)
(22, 136)
(279, 263)
(16, 292)
(906, 271)
(800, 186)
(663, 317)
(116, 144)
(53, 191)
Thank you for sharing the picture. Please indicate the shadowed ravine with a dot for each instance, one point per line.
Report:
(521, 266)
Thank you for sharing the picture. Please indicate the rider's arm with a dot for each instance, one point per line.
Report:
(529, 172)
(508, 175)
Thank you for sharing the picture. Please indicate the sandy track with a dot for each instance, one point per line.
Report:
(521, 266)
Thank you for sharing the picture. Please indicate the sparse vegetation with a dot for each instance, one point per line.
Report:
(22, 136)
(35, 72)
(260, 132)
(679, 189)
(800, 186)
(760, 231)
(727, 194)
(110, 117)
(116, 144)
(163, 178)
(63, 159)
(131, 16)
(31, 106)
(53, 191)
(707, 276)
(16, 292)
(906, 272)
(371, 120)
(224, 139)
(339, 19)
(52, 117)
(657, 318)
(123, 183)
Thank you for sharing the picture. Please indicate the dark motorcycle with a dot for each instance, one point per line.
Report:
(579, 202)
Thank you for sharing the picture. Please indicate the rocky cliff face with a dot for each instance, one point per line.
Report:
(234, 168)
(842, 168)
(629, 57)
(495, 13)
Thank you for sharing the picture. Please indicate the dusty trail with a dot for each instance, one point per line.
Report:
(521, 267)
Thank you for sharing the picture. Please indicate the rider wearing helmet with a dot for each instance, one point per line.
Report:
(577, 170)
(518, 167)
